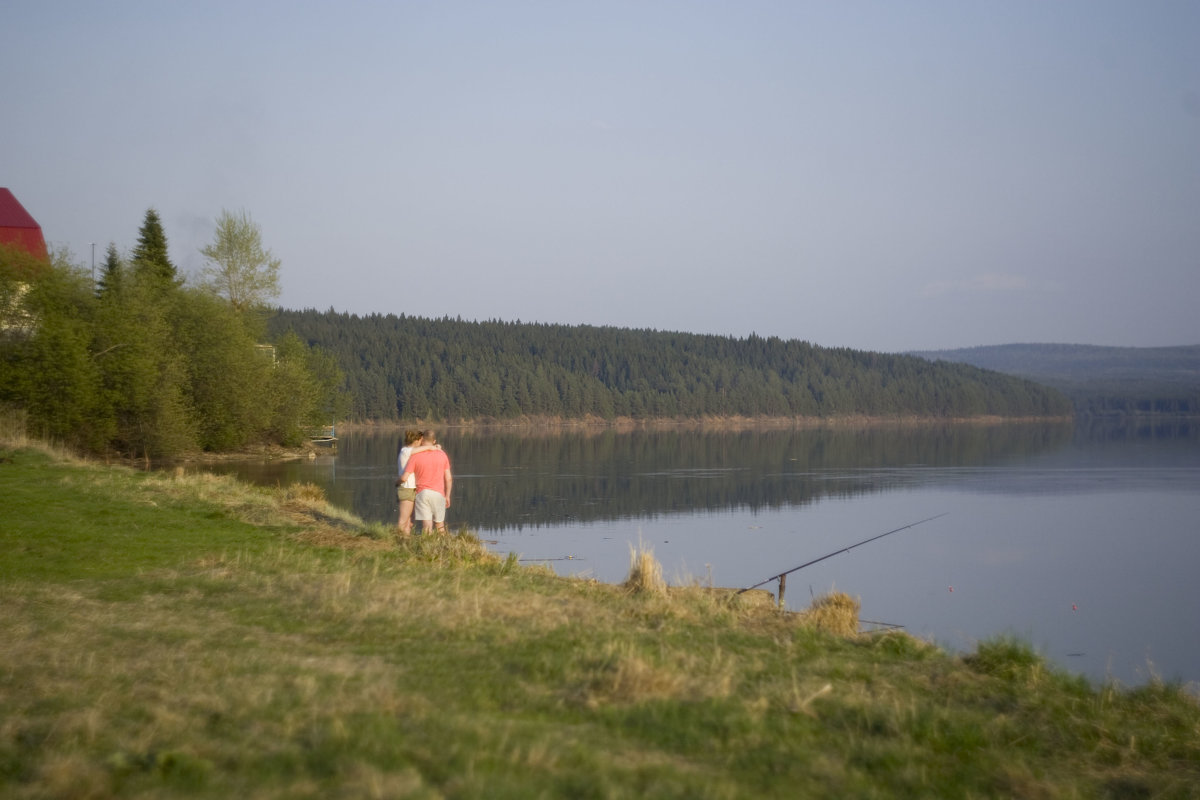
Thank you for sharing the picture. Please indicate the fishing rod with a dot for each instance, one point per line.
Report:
(782, 576)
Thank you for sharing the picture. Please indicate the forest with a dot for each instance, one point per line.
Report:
(141, 361)
(400, 367)
(140, 364)
(1102, 382)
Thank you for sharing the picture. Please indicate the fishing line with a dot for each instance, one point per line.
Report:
(781, 575)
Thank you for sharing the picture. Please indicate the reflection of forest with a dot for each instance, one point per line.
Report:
(506, 479)
(1128, 429)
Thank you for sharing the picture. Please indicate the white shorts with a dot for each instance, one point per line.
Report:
(430, 505)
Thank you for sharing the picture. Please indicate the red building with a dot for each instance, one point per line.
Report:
(18, 228)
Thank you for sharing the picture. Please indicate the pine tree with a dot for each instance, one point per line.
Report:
(150, 258)
(111, 273)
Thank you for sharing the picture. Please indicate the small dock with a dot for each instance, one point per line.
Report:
(325, 437)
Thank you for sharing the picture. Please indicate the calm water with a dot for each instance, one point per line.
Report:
(1084, 543)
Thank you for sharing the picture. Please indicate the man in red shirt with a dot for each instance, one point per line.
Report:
(434, 484)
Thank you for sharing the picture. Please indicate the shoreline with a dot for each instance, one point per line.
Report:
(623, 424)
(553, 425)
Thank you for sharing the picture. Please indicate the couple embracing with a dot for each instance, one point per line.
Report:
(425, 482)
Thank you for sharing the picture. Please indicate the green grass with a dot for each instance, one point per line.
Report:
(165, 636)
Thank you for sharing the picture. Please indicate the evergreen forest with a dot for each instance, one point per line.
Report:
(407, 367)
(1102, 382)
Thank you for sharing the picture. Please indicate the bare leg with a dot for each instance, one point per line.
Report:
(406, 516)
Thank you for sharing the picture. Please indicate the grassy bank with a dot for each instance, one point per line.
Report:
(168, 635)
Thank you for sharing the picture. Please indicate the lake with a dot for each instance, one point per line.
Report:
(1082, 541)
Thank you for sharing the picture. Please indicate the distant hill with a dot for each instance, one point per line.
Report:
(1099, 380)
(402, 367)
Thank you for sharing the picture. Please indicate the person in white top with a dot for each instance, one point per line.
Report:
(406, 492)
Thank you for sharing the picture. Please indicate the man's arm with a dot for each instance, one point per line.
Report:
(449, 485)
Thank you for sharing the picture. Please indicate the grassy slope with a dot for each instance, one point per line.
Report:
(166, 636)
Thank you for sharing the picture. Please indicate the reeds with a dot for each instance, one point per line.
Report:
(645, 572)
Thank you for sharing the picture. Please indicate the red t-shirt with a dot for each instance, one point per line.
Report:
(430, 468)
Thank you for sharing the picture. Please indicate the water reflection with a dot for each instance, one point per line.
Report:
(509, 479)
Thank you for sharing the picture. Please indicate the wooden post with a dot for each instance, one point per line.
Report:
(782, 586)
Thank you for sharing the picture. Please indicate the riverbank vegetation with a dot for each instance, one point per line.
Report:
(404, 367)
(142, 365)
(168, 634)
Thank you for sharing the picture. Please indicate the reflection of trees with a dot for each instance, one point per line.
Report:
(1127, 429)
(508, 479)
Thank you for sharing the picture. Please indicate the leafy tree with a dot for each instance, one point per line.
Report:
(238, 267)
(225, 370)
(144, 369)
(18, 270)
(303, 392)
(45, 359)
(150, 258)
(148, 367)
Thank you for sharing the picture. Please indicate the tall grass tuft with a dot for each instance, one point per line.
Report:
(14, 434)
(304, 494)
(460, 547)
(1009, 658)
(645, 573)
(12, 426)
(835, 613)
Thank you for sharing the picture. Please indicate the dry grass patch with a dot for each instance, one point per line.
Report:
(835, 613)
(645, 572)
(12, 436)
(624, 675)
(716, 600)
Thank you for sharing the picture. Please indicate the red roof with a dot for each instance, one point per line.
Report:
(18, 228)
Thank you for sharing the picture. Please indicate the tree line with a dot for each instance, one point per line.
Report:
(400, 367)
(143, 364)
(1100, 381)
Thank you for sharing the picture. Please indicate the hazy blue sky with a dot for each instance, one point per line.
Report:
(875, 175)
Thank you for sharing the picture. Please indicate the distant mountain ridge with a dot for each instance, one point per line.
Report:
(1098, 379)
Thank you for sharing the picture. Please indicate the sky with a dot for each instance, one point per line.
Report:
(874, 175)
